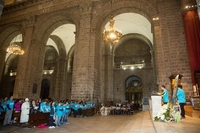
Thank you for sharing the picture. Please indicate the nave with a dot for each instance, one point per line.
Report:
(139, 122)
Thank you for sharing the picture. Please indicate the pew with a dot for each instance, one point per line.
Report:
(88, 112)
(16, 118)
(34, 119)
(38, 119)
(14, 115)
(2, 115)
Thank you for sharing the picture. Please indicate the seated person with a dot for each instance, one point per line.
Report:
(113, 108)
(118, 110)
(128, 109)
(123, 109)
(102, 110)
(107, 110)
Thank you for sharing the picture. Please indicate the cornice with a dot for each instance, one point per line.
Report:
(20, 11)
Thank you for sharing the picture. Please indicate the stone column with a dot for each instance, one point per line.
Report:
(61, 79)
(30, 65)
(159, 58)
(109, 66)
(69, 78)
(83, 67)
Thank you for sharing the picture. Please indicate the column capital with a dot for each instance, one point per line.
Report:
(29, 22)
(85, 7)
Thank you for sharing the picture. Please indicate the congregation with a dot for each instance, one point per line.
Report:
(59, 111)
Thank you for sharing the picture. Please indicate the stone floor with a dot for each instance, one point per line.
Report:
(140, 122)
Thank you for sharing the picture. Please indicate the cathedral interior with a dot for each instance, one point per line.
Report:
(66, 55)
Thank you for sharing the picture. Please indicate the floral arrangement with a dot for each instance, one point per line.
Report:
(169, 113)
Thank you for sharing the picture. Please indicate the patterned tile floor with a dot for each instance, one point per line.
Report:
(140, 122)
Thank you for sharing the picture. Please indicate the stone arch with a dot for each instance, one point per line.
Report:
(130, 78)
(46, 25)
(71, 52)
(64, 59)
(11, 63)
(134, 36)
(59, 43)
(9, 75)
(119, 7)
(8, 32)
(70, 58)
(134, 90)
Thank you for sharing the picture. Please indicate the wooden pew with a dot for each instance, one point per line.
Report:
(2, 117)
(16, 117)
(34, 119)
(38, 119)
(88, 112)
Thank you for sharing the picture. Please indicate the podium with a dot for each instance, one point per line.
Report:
(155, 104)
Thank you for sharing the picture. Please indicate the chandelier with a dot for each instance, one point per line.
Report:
(111, 35)
(15, 48)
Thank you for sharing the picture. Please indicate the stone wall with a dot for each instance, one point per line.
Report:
(170, 46)
(93, 75)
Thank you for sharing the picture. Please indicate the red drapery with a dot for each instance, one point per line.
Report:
(192, 32)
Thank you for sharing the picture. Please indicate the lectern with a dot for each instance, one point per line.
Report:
(155, 104)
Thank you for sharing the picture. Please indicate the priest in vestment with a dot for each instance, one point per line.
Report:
(25, 111)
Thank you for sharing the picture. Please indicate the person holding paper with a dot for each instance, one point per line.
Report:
(164, 94)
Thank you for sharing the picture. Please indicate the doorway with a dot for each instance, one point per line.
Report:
(45, 89)
(133, 92)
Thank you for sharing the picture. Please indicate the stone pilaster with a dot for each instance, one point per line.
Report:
(69, 78)
(109, 66)
(61, 80)
(30, 65)
(83, 80)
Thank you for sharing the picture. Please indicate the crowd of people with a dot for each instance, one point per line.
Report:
(58, 110)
